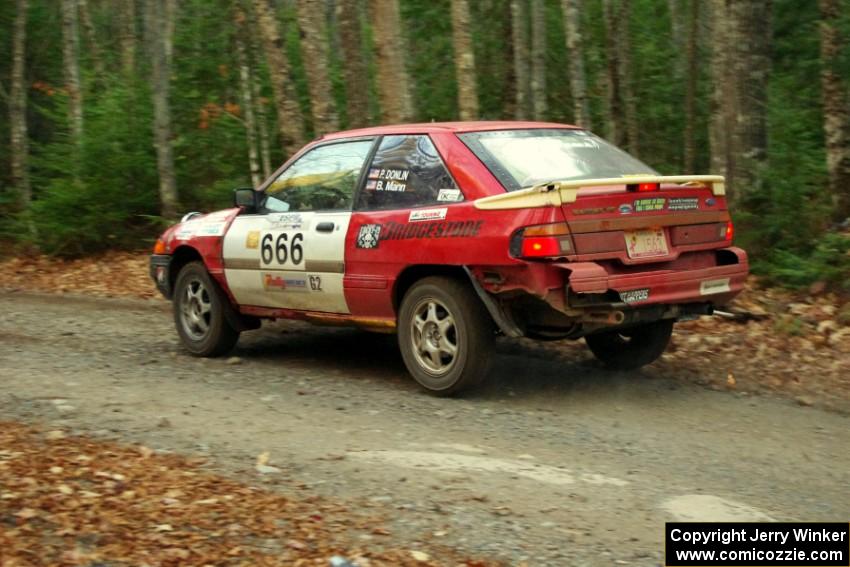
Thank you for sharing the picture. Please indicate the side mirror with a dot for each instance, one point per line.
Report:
(246, 197)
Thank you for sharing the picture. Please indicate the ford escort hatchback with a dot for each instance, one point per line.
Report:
(450, 234)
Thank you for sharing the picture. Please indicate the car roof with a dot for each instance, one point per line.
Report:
(458, 127)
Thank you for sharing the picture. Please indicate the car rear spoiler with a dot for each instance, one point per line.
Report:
(556, 193)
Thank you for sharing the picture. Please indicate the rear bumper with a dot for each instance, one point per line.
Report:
(716, 285)
(160, 266)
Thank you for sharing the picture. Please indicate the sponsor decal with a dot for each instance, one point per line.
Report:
(625, 209)
(316, 283)
(427, 215)
(286, 221)
(634, 295)
(279, 282)
(369, 236)
(450, 195)
(652, 204)
(443, 229)
(594, 211)
(252, 239)
(272, 282)
(709, 287)
(683, 204)
(203, 225)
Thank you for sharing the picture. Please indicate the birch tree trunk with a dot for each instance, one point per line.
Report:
(247, 96)
(290, 127)
(19, 137)
(677, 31)
(91, 39)
(157, 28)
(314, 46)
(575, 51)
(128, 36)
(260, 102)
(262, 124)
(393, 79)
(538, 59)
(751, 68)
(168, 31)
(692, 75)
(834, 95)
(624, 69)
(616, 131)
(467, 91)
(71, 67)
(722, 100)
(519, 36)
(354, 66)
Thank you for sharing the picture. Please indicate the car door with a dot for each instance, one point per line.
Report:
(291, 254)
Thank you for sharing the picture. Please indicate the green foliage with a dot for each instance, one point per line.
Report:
(102, 194)
(105, 192)
(828, 261)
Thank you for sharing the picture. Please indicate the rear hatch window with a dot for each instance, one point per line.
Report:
(524, 158)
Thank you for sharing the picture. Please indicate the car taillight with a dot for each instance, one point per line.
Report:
(643, 187)
(159, 247)
(542, 241)
(729, 232)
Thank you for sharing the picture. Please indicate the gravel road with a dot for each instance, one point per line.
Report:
(553, 461)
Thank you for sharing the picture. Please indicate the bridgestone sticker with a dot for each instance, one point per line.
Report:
(634, 295)
(709, 287)
(427, 215)
(371, 235)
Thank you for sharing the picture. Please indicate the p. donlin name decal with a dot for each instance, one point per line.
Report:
(371, 235)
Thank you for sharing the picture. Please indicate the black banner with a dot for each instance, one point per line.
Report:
(763, 544)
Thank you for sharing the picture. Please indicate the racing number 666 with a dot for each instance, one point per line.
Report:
(281, 250)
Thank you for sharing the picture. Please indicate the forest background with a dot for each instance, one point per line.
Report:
(119, 115)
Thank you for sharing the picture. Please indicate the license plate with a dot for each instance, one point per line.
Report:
(646, 243)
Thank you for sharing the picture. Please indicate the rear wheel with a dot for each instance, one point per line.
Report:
(199, 306)
(629, 349)
(445, 335)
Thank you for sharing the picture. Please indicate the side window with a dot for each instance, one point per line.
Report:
(407, 172)
(322, 179)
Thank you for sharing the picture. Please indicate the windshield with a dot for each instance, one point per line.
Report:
(523, 158)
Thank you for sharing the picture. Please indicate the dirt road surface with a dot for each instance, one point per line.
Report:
(553, 461)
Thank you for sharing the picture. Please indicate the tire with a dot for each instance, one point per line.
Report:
(629, 349)
(445, 335)
(199, 313)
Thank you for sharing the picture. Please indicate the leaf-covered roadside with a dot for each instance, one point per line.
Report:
(68, 500)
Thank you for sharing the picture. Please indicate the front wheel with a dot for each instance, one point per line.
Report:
(445, 335)
(199, 306)
(629, 349)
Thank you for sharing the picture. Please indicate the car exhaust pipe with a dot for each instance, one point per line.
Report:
(604, 317)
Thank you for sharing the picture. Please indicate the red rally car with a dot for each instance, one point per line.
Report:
(451, 233)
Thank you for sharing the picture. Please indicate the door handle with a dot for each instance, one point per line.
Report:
(325, 227)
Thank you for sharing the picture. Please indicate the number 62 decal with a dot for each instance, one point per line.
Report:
(281, 250)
